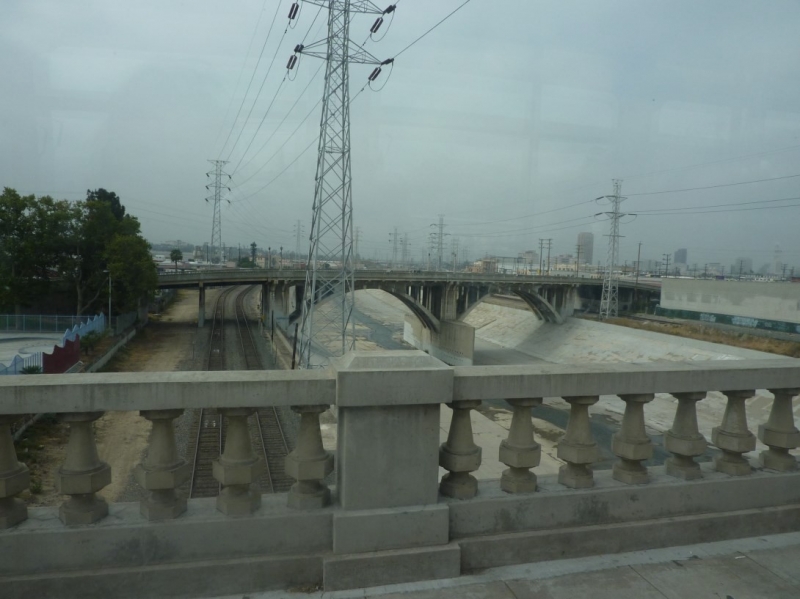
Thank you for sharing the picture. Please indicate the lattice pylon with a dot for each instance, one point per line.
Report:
(215, 254)
(327, 328)
(609, 302)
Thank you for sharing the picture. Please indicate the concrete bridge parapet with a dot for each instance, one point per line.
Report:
(388, 518)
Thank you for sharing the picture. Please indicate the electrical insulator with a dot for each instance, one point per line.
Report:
(390, 9)
(376, 25)
(387, 61)
(293, 10)
(292, 62)
(299, 48)
(374, 74)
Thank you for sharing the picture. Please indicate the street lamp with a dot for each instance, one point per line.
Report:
(280, 266)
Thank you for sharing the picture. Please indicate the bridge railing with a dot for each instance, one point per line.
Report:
(388, 456)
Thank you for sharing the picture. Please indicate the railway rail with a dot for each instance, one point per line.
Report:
(208, 434)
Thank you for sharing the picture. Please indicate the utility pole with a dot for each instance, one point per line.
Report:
(298, 231)
(331, 239)
(541, 255)
(454, 252)
(577, 259)
(666, 263)
(216, 220)
(638, 268)
(549, 243)
(609, 303)
(393, 238)
(406, 255)
(357, 255)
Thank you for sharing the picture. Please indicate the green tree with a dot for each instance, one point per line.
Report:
(176, 256)
(31, 242)
(132, 271)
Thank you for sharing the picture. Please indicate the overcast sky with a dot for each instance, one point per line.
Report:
(502, 119)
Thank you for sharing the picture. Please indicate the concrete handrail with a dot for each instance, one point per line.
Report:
(182, 390)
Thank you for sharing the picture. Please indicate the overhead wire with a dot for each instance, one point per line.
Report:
(652, 193)
(260, 89)
(252, 77)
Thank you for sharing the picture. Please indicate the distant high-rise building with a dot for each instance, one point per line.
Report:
(680, 257)
(586, 245)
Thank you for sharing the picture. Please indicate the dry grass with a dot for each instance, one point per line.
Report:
(713, 335)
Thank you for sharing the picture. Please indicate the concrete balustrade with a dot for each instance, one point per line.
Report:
(520, 451)
(631, 444)
(14, 478)
(389, 519)
(779, 433)
(82, 474)
(577, 447)
(459, 455)
(732, 437)
(238, 468)
(684, 440)
(309, 463)
(162, 471)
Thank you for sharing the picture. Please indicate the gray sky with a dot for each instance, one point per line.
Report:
(501, 117)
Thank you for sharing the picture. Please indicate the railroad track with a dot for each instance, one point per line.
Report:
(269, 439)
(208, 434)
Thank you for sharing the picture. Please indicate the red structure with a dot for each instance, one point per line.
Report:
(62, 358)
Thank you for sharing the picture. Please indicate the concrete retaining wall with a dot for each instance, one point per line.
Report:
(744, 300)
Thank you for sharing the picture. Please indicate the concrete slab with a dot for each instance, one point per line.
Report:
(491, 590)
(731, 576)
(619, 583)
(362, 531)
(783, 562)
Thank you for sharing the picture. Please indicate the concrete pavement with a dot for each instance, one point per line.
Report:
(765, 567)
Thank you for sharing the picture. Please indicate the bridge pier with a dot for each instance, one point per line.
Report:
(201, 311)
(453, 343)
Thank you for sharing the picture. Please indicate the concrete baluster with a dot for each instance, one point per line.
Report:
(162, 470)
(238, 468)
(309, 463)
(520, 452)
(14, 478)
(780, 433)
(684, 440)
(459, 455)
(82, 474)
(732, 437)
(577, 447)
(630, 443)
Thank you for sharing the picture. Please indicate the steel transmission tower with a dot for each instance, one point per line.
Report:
(330, 271)
(216, 224)
(609, 303)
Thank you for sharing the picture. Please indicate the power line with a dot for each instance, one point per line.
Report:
(258, 94)
(255, 69)
(656, 211)
(728, 210)
(253, 138)
(241, 72)
(432, 28)
(652, 193)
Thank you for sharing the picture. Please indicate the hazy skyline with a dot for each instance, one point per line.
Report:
(509, 119)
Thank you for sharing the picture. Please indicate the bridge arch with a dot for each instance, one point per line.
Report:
(428, 320)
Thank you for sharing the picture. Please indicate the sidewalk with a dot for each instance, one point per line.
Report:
(755, 568)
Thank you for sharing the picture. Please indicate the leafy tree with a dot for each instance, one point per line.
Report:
(176, 256)
(245, 263)
(132, 271)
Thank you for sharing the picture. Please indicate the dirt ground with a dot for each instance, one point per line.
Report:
(164, 345)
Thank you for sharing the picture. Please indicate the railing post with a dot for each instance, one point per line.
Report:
(459, 455)
(82, 474)
(520, 452)
(577, 447)
(162, 470)
(732, 437)
(309, 463)
(238, 468)
(779, 433)
(631, 443)
(14, 478)
(684, 440)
